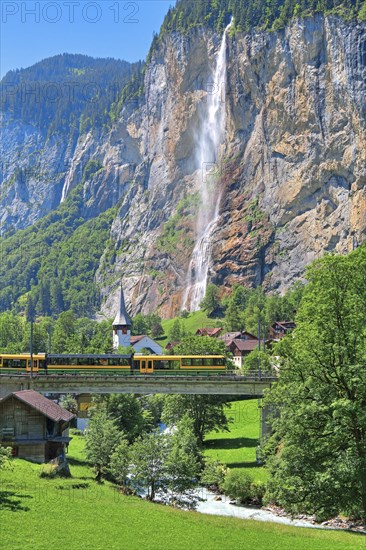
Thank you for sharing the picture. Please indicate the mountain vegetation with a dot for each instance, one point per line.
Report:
(55, 260)
(251, 14)
(68, 92)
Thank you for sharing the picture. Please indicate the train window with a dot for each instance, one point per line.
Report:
(208, 362)
(174, 364)
(196, 361)
(186, 362)
(14, 363)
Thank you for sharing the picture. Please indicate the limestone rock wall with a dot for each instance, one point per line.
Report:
(292, 169)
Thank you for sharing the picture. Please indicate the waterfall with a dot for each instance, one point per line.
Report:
(209, 139)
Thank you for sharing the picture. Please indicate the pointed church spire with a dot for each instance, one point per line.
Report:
(122, 318)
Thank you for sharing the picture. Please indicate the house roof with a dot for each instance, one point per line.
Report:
(122, 317)
(244, 345)
(135, 339)
(228, 337)
(285, 324)
(209, 331)
(42, 404)
(171, 345)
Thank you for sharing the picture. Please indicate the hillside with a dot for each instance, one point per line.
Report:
(95, 515)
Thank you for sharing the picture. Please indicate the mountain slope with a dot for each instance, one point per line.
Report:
(290, 172)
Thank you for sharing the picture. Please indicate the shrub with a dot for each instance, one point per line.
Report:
(257, 491)
(237, 485)
(48, 470)
(213, 473)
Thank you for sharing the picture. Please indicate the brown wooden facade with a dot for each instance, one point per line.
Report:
(30, 429)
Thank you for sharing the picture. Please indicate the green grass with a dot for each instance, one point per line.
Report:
(42, 514)
(197, 319)
(237, 448)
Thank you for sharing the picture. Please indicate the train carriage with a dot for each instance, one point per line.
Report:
(158, 365)
(88, 364)
(21, 363)
(170, 365)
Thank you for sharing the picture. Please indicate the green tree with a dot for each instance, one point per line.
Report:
(317, 454)
(44, 302)
(69, 403)
(101, 439)
(256, 312)
(181, 471)
(139, 324)
(213, 474)
(237, 485)
(11, 333)
(206, 411)
(148, 462)
(120, 461)
(175, 333)
(64, 334)
(257, 359)
(128, 413)
(30, 313)
(211, 301)
(236, 304)
(200, 345)
(156, 329)
(56, 297)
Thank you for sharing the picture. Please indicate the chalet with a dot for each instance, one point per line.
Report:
(279, 329)
(212, 332)
(34, 427)
(228, 337)
(241, 348)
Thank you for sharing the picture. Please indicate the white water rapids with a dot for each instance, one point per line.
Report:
(209, 139)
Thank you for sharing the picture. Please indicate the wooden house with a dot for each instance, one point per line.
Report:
(228, 337)
(242, 348)
(279, 329)
(34, 427)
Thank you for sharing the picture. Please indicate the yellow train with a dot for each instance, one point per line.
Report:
(161, 365)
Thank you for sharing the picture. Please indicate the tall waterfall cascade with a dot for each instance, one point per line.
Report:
(208, 141)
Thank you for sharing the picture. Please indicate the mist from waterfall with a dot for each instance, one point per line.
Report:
(209, 140)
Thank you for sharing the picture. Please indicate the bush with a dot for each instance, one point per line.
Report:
(257, 491)
(48, 470)
(213, 473)
(237, 485)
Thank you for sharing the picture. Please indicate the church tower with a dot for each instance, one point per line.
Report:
(121, 326)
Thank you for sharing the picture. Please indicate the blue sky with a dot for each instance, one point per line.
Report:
(33, 30)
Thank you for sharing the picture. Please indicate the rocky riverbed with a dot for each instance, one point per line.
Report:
(221, 505)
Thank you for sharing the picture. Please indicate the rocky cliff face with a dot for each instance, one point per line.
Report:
(292, 169)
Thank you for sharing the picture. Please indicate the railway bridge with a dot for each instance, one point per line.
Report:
(244, 386)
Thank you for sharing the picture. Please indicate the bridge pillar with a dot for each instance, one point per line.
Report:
(265, 426)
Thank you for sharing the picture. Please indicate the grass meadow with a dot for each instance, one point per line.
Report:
(196, 319)
(78, 513)
(237, 448)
